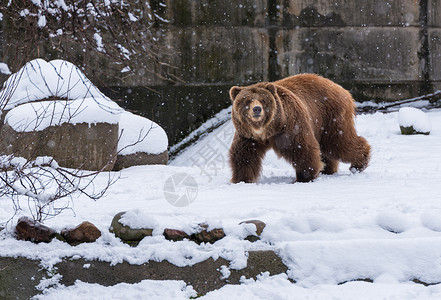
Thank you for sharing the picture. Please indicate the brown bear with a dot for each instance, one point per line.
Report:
(308, 120)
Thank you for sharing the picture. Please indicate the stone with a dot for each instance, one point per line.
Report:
(211, 236)
(82, 129)
(30, 230)
(259, 225)
(140, 158)
(78, 146)
(86, 232)
(413, 121)
(259, 229)
(175, 235)
(141, 142)
(126, 233)
(410, 130)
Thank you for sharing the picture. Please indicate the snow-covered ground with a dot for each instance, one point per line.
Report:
(383, 224)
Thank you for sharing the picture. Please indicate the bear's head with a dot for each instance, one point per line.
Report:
(254, 109)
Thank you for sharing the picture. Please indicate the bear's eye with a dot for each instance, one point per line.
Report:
(247, 103)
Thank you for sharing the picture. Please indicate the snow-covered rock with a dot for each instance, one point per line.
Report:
(39, 79)
(136, 135)
(37, 116)
(414, 121)
(50, 102)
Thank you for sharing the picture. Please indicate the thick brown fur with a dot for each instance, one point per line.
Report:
(308, 120)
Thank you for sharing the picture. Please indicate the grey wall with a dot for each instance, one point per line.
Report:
(383, 50)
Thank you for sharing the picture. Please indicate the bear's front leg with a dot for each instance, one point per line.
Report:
(246, 159)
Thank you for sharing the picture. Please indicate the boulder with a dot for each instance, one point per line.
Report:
(30, 230)
(126, 233)
(141, 142)
(78, 146)
(54, 110)
(86, 232)
(140, 158)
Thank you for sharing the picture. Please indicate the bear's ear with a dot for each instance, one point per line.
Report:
(234, 91)
(272, 88)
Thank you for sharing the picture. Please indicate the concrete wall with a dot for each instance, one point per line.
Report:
(356, 43)
(379, 50)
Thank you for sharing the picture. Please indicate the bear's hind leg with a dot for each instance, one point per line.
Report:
(357, 153)
(331, 165)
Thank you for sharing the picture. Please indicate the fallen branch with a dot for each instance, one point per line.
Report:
(434, 97)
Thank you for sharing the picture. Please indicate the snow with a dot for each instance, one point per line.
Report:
(4, 69)
(225, 271)
(382, 224)
(146, 289)
(37, 116)
(46, 160)
(220, 118)
(99, 42)
(138, 134)
(41, 21)
(132, 17)
(279, 287)
(416, 118)
(39, 79)
(75, 100)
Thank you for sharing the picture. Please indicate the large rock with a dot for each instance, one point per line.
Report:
(141, 142)
(140, 158)
(30, 230)
(52, 109)
(77, 146)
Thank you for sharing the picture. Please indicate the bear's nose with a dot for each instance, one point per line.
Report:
(257, 110)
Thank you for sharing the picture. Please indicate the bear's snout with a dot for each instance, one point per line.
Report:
(257, 110)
